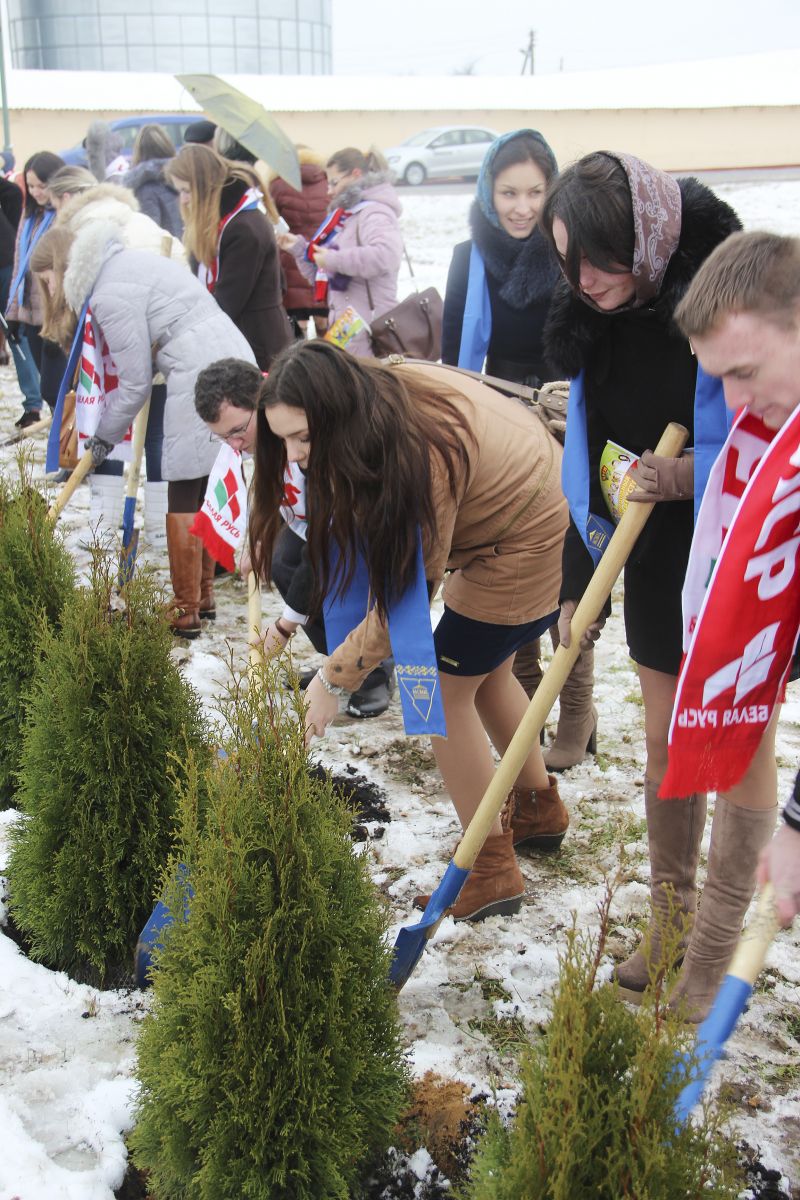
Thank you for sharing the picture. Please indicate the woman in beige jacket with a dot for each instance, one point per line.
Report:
(392, 451)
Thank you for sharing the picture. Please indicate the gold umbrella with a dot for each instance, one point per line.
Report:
(247, 121)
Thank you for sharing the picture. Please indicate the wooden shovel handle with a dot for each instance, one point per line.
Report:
(254, 619)
(619, 547)
(79, 473)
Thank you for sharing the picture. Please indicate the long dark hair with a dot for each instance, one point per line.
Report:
(593, 199)
(44, 164)
(373, 432)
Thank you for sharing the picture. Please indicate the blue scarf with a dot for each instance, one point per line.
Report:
(31, 232)
(476, 327)
(710, 432)
(412, 643)
(53, 448)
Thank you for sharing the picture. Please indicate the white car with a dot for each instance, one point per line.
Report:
(446, 151)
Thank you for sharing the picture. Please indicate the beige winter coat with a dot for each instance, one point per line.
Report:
(500, 539)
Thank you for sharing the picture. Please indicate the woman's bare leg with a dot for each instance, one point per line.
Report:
(502, 703)
(658, 693)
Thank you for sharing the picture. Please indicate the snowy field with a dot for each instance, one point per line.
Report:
(67, 1051)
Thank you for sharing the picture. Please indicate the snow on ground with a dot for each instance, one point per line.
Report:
(67, 1051)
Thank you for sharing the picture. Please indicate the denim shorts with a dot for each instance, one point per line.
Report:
(467, 647)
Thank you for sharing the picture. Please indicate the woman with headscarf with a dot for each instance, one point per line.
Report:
(630, 239)
(498, 295)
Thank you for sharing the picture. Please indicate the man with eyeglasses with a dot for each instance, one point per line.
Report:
(226, 398)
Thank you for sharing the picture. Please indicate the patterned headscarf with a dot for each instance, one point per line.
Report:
(656, 201)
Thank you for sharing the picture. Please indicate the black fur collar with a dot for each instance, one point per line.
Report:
(525, 269)
(573, 328)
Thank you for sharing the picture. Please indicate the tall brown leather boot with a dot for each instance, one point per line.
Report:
(737, 837)
(527, 666)
(539, 819)
(185, 564)
(674, 833)
(576, 735)
(207, 605)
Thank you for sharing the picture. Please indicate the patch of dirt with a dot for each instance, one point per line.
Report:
(764, 1184)
(363, 797)
(134, 1186)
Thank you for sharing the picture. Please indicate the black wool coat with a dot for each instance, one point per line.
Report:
(639, 374)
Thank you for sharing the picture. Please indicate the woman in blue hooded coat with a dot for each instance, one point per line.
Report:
(498, 296)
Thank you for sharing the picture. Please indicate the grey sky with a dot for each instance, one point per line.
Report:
(428, 37)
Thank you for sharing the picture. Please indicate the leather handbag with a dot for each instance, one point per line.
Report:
(68, 437)
(413, 327)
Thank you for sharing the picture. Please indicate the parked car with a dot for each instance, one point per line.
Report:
(446, 151)
(128, 127)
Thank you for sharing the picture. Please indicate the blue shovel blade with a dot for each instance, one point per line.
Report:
(711, 1037)
(130, 541)
(411, 939)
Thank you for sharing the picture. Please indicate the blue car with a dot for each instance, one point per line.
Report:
(175, 125)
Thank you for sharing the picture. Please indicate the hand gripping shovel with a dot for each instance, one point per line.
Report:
(411, 939)
(130, 535)
(65, 495)
(731, 999)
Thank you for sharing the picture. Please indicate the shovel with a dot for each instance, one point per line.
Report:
(731, 999)
(411, 939)
(130, 535)
(63, 498)
(31, 431)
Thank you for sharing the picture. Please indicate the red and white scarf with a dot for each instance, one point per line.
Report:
(741, 605)
(96, 388)
(210, 274)
(326, 232)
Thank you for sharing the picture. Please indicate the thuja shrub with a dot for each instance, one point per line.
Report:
(36, 582)
(109, 723)
(271, 1064)
(596, 1112)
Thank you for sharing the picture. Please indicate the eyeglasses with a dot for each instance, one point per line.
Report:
(238, 432)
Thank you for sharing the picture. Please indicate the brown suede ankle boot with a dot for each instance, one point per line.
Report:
(576, 735)
(495, 886)
(674, 833)
(737, 837)
(185, 564)
(207, 606)
(539, 818)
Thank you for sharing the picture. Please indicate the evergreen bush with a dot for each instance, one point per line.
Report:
(36, 582)
(270, 1065)
(109, 721)
(595, 1116)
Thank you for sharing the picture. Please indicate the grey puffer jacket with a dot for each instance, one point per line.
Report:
(155, 316)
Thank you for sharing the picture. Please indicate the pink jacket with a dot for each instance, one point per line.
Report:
(368, 248)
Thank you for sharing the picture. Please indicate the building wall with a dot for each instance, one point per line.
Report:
(676, 140)
(282, 37)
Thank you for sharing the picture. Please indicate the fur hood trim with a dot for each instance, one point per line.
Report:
(96, 241)
(573, 328)
(149, 171)
(104, 199)
(380, 181)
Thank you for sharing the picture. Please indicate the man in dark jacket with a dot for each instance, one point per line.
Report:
(11, 201)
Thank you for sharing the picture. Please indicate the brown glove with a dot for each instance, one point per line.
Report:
(660, 478)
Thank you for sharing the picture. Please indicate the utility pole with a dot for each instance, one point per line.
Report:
(528, 52)
(3, 97)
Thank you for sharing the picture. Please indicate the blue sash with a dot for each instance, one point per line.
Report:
(28, 239)
(412, 643)
(476, 326)
(595, 531)
(712, 423)
(51, 462)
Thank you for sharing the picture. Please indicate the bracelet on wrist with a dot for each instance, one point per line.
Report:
(285, 633)
(329, 687)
